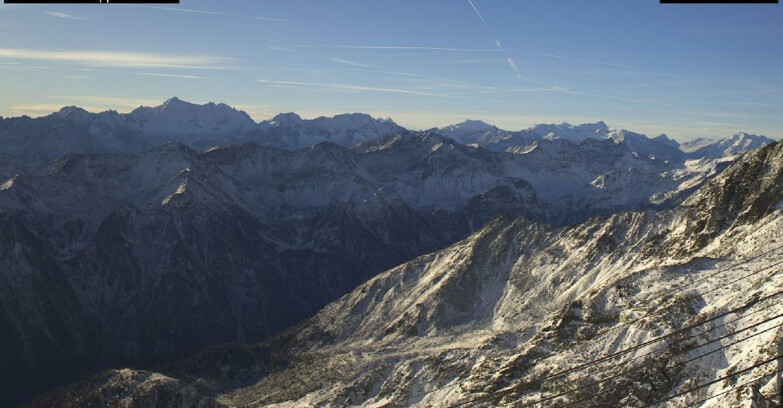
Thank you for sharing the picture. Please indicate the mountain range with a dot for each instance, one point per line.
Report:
(139, 239)
(636, 309)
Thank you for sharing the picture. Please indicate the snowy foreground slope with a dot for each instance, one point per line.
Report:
(522, 312)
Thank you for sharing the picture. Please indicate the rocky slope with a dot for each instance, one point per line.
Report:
(522, 313)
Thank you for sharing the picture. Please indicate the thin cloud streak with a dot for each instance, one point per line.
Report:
(360, 88)
(89, 103)
(116, 58)
(212, 13)
(397, 47)
(512, 64)
(610, 64)
(437, 81)
(65, 16)
(44, 109)
(18, 67)
(281, 49)
(351, 63)
(477, 11)
(172, 75)
(107, 100)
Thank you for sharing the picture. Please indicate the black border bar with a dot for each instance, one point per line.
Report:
(719, 1)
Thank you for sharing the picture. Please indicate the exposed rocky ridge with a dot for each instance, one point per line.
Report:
(131, 389)
(489, 318)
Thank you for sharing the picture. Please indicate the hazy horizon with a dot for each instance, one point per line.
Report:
(456, 122)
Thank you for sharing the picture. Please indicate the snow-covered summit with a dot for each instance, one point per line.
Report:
(739, 143)
(284, 119)
(469, 125)
(573, 133)
(289, 131)
(179, 118)
(661, 147)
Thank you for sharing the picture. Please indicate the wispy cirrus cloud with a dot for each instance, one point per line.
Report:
(352, 63)
(77, 77)
(398, 47)
(172, 75)
(587, 61)
(105, 101)
(88, 103)
(212, 13)
(20, 67)
(43, 109)
(281, 49)
(478, 13)
(362, 88)
(519, 76)
(117, 58)
(65, 16)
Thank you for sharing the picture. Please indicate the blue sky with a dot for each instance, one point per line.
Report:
(686, 70)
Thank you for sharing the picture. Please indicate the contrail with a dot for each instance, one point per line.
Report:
(477, 12)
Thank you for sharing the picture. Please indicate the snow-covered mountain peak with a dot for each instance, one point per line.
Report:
(285, 119)
(663, 138)
(737, 144)
(470, 125)
(349, 120)
(573, 133)
(71, 113)
(176, 103)
(747, 137)
(179, 118)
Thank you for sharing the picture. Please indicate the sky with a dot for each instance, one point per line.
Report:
(685, 70)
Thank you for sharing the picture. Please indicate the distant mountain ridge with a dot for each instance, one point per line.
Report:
(74, 130)
(31, 142)
(479, 133)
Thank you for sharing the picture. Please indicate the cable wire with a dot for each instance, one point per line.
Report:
(628, 323)
(678, 364)
(649, 342)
